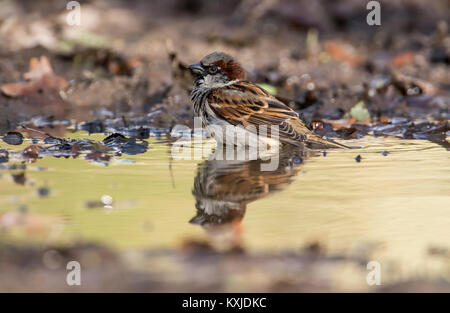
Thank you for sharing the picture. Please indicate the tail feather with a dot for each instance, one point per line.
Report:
(314, 140)
(321, 143)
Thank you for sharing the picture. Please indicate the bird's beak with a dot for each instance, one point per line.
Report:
(199, 219)
(197, 69)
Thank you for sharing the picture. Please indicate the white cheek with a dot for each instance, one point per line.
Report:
(212, 81)
(209, 81)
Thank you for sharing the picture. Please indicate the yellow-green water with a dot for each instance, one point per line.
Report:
(393, 208)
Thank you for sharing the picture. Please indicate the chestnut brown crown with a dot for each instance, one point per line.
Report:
(219, 64)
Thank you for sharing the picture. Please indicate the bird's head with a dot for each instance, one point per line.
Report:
(216, 69)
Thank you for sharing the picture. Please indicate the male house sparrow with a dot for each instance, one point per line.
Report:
(222, 97)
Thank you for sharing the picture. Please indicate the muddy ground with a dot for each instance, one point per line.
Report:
(124, 69)
(194, 267)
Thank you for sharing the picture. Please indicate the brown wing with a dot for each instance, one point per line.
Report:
(246, 104)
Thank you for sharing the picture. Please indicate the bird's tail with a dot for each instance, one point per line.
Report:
(317, 142)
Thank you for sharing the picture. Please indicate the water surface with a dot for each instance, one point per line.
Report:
(392, 207)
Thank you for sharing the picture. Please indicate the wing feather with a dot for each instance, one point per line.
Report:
(245, 104)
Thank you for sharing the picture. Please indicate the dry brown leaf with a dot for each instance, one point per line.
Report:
(17, 89)
(403, 59)
(404, 82)
(342, 123)
(341, 53)
(38, 69)
(39, 77)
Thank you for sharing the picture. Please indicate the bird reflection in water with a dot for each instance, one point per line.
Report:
(223, 188)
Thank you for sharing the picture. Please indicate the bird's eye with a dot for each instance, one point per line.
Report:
(213, 69)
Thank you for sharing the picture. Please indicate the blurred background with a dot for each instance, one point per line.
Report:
(321, 56)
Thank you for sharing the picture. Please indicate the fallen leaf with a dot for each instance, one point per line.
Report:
(341, 53)
(360, 112)
(402, 59)
(39, 78)
(31, 153)
(342, 123)
(407, 84)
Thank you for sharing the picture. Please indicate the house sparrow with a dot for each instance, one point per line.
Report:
(222, 98)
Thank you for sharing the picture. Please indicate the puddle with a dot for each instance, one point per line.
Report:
(391, 206)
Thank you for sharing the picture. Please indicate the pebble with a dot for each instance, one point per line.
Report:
(13, 138)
